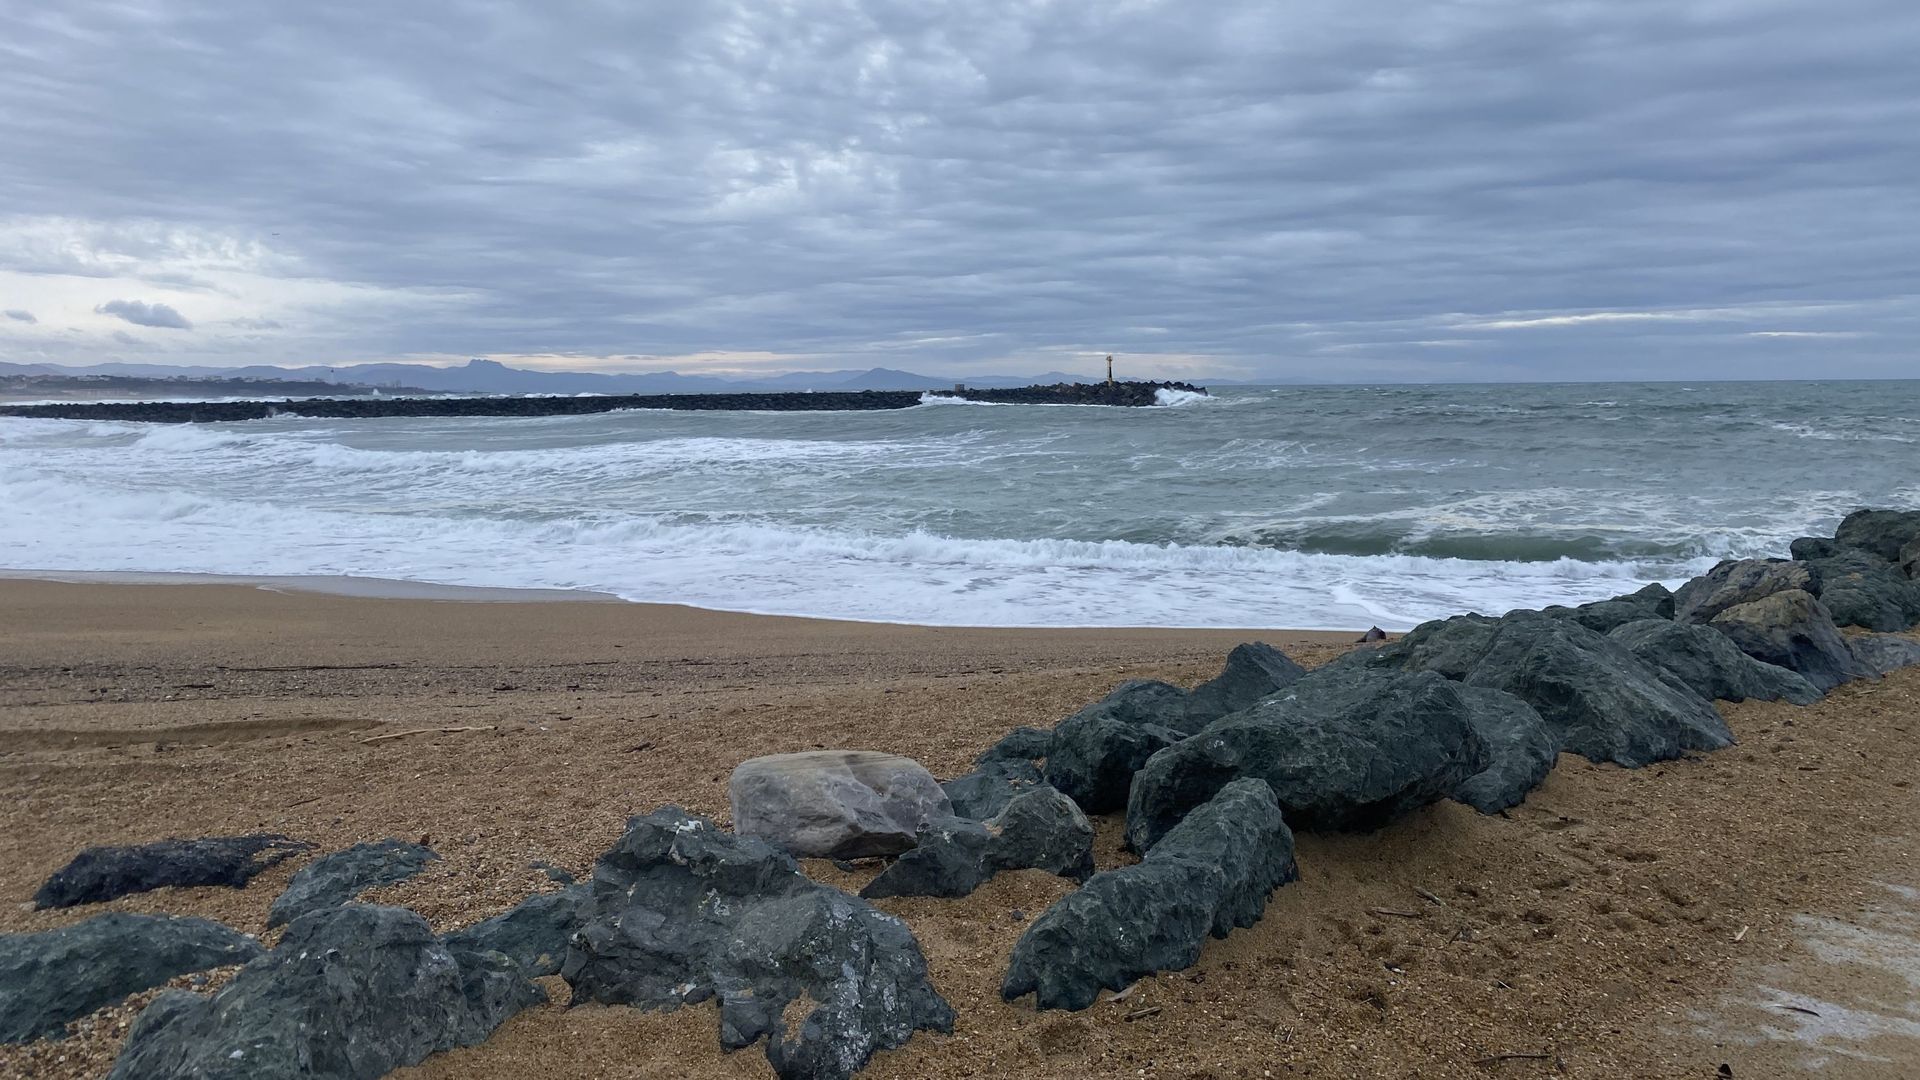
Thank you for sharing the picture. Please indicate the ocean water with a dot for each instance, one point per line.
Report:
(1308, 507)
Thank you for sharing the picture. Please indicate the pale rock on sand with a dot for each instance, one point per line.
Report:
(836, 804)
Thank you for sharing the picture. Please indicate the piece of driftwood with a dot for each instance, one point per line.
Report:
(427, 731)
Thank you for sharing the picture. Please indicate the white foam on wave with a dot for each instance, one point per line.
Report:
(1172, 398)
(744, 566)
(930, 398)
(1807, 431)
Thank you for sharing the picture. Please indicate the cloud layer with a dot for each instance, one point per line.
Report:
(1406, 189)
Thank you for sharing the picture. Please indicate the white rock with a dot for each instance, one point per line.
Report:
(836, 804)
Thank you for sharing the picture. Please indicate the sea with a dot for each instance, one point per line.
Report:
(1328, 507)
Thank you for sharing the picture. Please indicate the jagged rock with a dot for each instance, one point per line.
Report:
(1861, 589)
(1028, 744)
(835, 804)
(1096, 751)
(1791, 630)
(1703, 659)
(1740, 581)
(1004, 770)
(534, 934)
(1209, 874)
(1450, 647)
(1521, 749)
(1254, 670)
(1909, 561)
(52, 977)
(1602, 701)
(1147, 703)
(350, 993)
(103, 873)
(1095, 756)
(683, 912)
(1654, 596)
(1342, 749)
(1039, 830)
(332, 880)
(1881, 532)
(987, 790)
(1602, 616)
(1809, 548)
(1879, 654)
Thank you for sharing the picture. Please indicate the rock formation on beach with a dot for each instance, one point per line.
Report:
(105, 873)
(349, 992)
(683, 912)
(49, 978)
(333, 880)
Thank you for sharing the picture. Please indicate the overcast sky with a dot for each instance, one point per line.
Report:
(1396, 189)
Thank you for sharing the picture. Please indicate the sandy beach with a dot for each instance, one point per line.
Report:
(1601, 929)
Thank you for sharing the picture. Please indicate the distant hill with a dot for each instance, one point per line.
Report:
(16, 385)
(492, 377)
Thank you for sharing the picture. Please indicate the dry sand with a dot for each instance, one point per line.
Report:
(1619, 924)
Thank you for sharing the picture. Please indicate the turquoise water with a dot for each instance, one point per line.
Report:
(1296, 506)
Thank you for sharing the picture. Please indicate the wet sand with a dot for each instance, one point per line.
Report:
(1611, 926)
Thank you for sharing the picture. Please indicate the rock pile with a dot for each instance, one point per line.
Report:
(682, 912)
(1210, 873)
(1038, 829)
(1096, 751)
(1472, 708)
(349, 992)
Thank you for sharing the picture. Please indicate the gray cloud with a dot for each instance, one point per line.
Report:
(1407, 189)
(141, 313)
(18, 315)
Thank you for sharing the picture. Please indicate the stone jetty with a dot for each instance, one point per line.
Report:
(1125, 395)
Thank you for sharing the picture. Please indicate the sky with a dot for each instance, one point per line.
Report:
(1427, 190)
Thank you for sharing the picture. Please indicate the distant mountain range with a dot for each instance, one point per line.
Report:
(492, 377)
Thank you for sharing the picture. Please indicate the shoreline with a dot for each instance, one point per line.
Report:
(379, 588)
